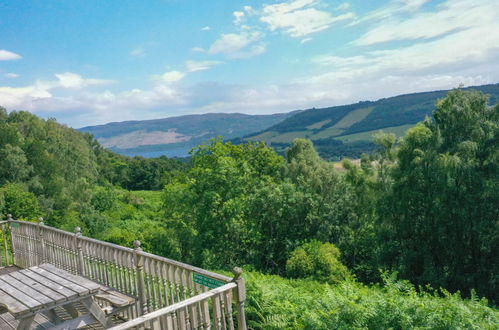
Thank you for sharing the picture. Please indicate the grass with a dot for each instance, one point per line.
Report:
(281, 138)
(368, 136)
(319, 124)
(353, 117)
(328, 132)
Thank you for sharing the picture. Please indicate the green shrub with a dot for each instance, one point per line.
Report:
(318, 261)
(278, 303)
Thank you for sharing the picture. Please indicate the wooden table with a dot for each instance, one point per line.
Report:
(40, 289)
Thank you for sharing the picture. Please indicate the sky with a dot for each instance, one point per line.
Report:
(89, 62)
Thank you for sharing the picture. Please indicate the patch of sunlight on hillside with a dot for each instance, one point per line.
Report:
(265, 136)
(368, 136)
(319, 124)
(328, 132)
(353, 117)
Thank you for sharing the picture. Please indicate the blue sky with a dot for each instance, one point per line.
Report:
(89, 62)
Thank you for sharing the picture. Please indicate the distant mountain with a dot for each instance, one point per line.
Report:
(347, 130)
(175, 136)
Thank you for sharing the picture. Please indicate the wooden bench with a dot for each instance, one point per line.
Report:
(117, 301)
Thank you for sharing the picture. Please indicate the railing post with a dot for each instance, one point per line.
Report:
(13, 255)
(139, 266)
(240, 298)
(41, 249)
(5, 244)
(79, 252)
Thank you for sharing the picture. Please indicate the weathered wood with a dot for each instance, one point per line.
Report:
(49, 283)
(97, 312)
(170, 309)
(20, 296)
(89, 285)
(80, 290)
(155, 281)
(75, 323)
(140, 278)
(13, 305)
(25, 323)
(44, 295)
(240, 298)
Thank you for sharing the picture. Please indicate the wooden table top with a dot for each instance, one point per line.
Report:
(43, 287)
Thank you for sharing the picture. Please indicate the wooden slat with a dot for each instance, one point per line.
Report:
(14, 306)
(64, 281)
(37, 295)
(91, 286)
(50, 284)
(50, 294)
(6, 322)
(20, 296)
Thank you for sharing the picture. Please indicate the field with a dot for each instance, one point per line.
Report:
(368, 136)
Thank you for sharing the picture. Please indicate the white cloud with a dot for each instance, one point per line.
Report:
(238, 17)
(299, 18)
(198, 50)
(249, 10)
(205, 28)
(11, 75)
(138, 51)
(193, 66)
(343, 6)
(5, 55)
(395, 7)
(169, 77)
(29, 96)
(242, 45)
(450, 16)
(76, 81)
(305, 40)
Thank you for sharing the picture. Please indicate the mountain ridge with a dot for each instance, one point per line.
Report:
(346, 130)
(337, 131)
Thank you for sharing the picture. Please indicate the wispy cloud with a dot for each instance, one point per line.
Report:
(205, 28)
(169, 77)
(138, 51)
(11, 75)
(238, 17)
(343, 6)
(449, 16)
(28, 96)
(394, 7)
(5, 55)
(238, 45)
(299, 18)
(193, 66)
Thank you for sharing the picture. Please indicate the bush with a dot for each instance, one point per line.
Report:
(318, 261)
(278, 303)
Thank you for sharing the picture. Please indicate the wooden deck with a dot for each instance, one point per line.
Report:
(7, 321)
(7, 270)
(166, 294)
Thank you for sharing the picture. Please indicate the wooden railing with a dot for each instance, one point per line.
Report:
(169, 294)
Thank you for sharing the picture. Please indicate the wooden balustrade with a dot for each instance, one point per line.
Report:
(169, 294)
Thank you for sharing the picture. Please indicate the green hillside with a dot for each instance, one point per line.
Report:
(175, 136)
(347, 130)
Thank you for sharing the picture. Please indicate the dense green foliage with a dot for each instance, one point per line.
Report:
(318, 261)
(277, 303)
(51, 170)
(441, 212)
(424, 207)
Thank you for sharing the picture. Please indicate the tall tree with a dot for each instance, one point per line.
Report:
(441, 224)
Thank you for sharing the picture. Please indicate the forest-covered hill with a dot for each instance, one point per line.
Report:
(348, 130)
(175, 136)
